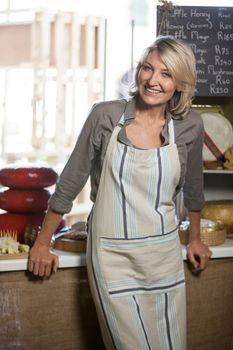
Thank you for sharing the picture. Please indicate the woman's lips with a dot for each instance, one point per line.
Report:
(152, 91)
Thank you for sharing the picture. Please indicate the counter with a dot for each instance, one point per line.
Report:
(58, 313)
(78, 259)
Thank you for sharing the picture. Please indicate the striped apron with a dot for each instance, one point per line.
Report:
(134, 257)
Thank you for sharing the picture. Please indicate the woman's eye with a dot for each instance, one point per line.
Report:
(166, 74)
(146, 68)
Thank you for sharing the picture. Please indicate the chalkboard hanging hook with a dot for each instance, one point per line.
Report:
(166, 8)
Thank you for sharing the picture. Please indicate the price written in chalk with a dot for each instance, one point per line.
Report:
(209, 31)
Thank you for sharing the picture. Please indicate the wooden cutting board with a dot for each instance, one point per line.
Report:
(13, 256)
(70, 245)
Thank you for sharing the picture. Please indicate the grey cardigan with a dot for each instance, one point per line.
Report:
(89, 152)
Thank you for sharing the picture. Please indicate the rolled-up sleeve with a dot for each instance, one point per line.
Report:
(193, 186)
(77, 170)
(88, 155)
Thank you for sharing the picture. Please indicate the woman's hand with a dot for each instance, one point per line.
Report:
(198, 254)
(41, 262)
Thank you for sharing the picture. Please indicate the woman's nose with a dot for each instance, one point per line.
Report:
(154, 78)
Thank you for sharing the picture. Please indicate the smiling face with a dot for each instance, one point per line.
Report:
(156, 86)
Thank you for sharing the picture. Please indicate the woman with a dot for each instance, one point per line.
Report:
(139, 154)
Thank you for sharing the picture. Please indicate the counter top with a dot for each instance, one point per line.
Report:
(67, 259)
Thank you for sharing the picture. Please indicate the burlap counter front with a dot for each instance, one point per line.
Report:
(50, 314)
(210, 306)
(58, 313)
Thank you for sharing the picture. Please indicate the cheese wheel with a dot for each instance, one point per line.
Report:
(18, 222)
(27, 176)
(24, 201)
(220, 131)
(219, 210)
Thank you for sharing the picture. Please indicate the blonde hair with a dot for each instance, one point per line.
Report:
(180, 62)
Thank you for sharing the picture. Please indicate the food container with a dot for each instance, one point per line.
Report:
(71, 239)
(212, 233)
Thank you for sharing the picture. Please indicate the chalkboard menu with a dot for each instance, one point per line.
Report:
(209, 31)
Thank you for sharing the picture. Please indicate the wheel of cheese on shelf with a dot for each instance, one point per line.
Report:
(24, 201)
(221, 210)
(17, 223)
(219, 130)
(29, 176)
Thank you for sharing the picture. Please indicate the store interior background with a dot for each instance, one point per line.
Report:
(127, 27)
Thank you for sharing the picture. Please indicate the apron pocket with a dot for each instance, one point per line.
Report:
(138, 266)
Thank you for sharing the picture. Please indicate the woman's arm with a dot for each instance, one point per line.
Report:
(41, 262)
(198, 252)
(71, 181)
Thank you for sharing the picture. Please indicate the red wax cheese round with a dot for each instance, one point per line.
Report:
(24, 201)
(29, 176)
(18, 222)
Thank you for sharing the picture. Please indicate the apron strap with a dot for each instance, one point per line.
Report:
(171, 132)
(122, 120)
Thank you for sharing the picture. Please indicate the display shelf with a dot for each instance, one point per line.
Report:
(216, 194)
(217, 185)
(218, 171)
